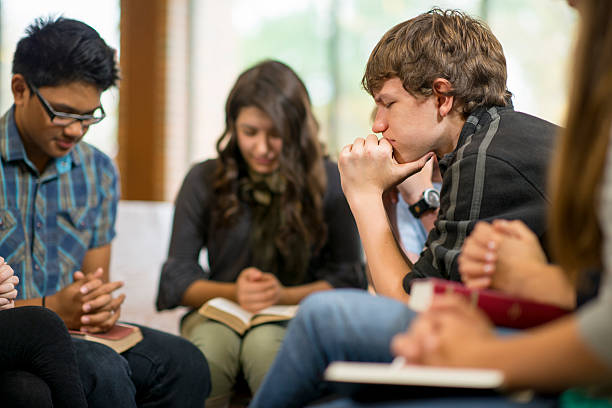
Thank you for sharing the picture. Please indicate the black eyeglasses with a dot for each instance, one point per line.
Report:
(66, 119)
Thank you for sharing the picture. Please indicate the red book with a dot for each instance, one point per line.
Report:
(120, 337)
(503, 309)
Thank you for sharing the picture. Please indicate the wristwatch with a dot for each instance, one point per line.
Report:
(429, 201)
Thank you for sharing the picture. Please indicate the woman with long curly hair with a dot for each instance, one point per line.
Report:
(271, 214)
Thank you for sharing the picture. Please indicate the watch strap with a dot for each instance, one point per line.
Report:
(417, 209)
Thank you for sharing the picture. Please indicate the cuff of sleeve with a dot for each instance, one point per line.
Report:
(174, 281)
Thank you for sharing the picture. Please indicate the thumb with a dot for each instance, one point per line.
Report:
(405, 170)
(254, 274)
(99, 273)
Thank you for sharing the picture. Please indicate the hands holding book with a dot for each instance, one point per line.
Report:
(505, 256)
(8, 281)
(88, 303)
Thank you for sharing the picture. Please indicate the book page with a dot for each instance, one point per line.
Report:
(117, 332)
(421, 295)
(121, 338)
(385, 373)
(279, 310)
(232, 308)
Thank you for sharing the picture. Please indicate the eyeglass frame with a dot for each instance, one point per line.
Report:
(63, 115)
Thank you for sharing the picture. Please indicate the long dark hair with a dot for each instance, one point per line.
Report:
(275, 89)
(577, 173)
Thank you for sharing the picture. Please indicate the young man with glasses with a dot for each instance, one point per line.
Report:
(58, 203)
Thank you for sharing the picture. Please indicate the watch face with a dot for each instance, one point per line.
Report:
(432, 197)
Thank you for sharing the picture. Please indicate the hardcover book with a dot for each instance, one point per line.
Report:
(416, 375)
(120, 338)
(503, 309)
(231, 314)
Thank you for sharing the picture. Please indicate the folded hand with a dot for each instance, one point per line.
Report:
(256, 290)
(8, 282)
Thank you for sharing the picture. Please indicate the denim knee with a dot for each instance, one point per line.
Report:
(330, 306)
(104, 373)
(343, 317)
(169, 369)
(326, 302)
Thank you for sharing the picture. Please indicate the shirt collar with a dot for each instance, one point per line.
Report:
(480, 117)
(12, 149)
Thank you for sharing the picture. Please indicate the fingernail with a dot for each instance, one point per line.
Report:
(86, 307)
(488, 268)
(489, 256)
(84, 319)
(84, 289)
(491, 245)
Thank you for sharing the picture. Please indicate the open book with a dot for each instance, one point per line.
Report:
(230, 313)
(120, 338)
(503, 309)
(417, 375)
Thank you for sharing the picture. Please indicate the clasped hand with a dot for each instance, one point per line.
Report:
(88, 303)
(256, 290)
(8, 282)
(496, 255)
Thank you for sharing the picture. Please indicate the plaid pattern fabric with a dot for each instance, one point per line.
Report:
(48, 221)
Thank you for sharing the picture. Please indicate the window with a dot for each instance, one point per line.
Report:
(327, 42)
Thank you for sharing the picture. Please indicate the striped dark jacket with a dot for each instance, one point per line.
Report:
(498, 170)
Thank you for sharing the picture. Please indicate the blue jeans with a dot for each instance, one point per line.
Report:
(343, 324)
(446, 402)
(161, 371)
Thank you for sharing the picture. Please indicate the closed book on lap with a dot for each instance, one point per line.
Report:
(504, 310)
(386, 381)
(120, 338)
(240, 320)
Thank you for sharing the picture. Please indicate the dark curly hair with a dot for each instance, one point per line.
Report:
(275, 89)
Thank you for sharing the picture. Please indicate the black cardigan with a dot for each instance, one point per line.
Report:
(339, 262)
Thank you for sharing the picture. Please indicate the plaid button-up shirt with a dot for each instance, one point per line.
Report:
(49, 221)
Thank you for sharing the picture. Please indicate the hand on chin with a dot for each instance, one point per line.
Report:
(406, 157)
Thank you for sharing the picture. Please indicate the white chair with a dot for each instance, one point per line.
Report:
(138, 252)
